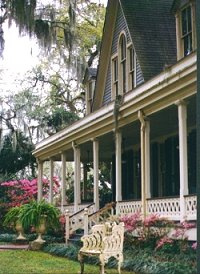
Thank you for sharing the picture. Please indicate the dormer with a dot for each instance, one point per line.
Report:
(89, 83)
(185, 27)
(123, 67)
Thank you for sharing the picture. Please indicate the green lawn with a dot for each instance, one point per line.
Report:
(27, 262)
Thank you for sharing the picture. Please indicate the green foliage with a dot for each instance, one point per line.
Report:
(12, 216)
(17, 151)
(146, 261)
(7, 237)
(60, 118)
(69, 251)
(34, 213)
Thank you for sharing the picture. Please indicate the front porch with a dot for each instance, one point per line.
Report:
(151, 149)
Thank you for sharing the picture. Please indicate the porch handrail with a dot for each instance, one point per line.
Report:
(81, 210)
(84, 219)
(75, 221)
(102, 210)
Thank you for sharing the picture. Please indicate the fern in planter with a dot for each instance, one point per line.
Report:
(12, 216)
(40, 215)
(12, 220)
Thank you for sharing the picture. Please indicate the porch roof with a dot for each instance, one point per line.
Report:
(175, 83)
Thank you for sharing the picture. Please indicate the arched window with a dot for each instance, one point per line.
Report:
(122, 48)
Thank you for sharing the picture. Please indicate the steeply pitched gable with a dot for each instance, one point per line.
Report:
(153, 32)
(152, 28)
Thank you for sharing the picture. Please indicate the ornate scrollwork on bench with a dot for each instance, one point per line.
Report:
(105, 241)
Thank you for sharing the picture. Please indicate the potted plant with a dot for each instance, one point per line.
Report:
(12, 219)
(40, 215)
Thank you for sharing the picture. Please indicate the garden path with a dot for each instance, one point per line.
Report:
(13, 247)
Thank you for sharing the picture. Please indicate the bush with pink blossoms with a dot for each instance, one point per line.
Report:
(21, 191)
(155, 231)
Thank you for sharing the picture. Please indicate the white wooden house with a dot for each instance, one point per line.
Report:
(141, 113)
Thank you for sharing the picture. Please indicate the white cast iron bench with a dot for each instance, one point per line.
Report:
(105, 241)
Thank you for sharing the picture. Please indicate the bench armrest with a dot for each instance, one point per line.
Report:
(91, 242)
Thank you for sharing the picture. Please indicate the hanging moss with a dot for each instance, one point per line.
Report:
(42, 31)
(23, 14)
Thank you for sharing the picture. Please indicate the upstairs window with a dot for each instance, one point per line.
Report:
(185, 29)
(186, 35)
(123, 68)
(132, 68)
(122, 46)
(115, 76)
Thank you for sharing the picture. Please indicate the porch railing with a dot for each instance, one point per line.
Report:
(128, 207)
(191, 207)
(165, 207)
(168, 207)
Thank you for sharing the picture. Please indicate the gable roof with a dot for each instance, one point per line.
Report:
(153, 32)
(152, 28)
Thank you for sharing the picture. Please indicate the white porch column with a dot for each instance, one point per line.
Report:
(63, 180)
(77, 177)
(96, 172)
(39, 184)
(147, 158)
(118, 151)
(183, 156)
(144, 134)
(51, 171)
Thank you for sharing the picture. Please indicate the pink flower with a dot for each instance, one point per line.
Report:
(62, 219)
(194, 246)
(163, 241)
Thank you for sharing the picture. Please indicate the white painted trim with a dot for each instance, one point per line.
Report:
(133, 101)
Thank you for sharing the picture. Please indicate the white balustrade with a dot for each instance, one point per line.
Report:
(166, 207)
(70, 208)
(129, 207)
(191, 207)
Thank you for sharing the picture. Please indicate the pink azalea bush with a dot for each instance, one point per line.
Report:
(154, 231)
(22, 191)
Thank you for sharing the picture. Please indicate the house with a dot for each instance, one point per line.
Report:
(141, 113)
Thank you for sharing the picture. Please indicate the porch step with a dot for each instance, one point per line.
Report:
(76, 237)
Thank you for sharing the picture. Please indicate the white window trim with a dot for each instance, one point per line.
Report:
(179, 40)
(115, 56)
(129, 72)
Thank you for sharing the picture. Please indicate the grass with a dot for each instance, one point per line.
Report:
(34, 262)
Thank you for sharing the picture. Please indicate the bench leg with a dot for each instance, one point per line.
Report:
(102, 265)
(120, 263)
(81, 260)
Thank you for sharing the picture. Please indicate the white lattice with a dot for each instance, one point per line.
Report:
(191, 207)
(129, 207)
(167, 207)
